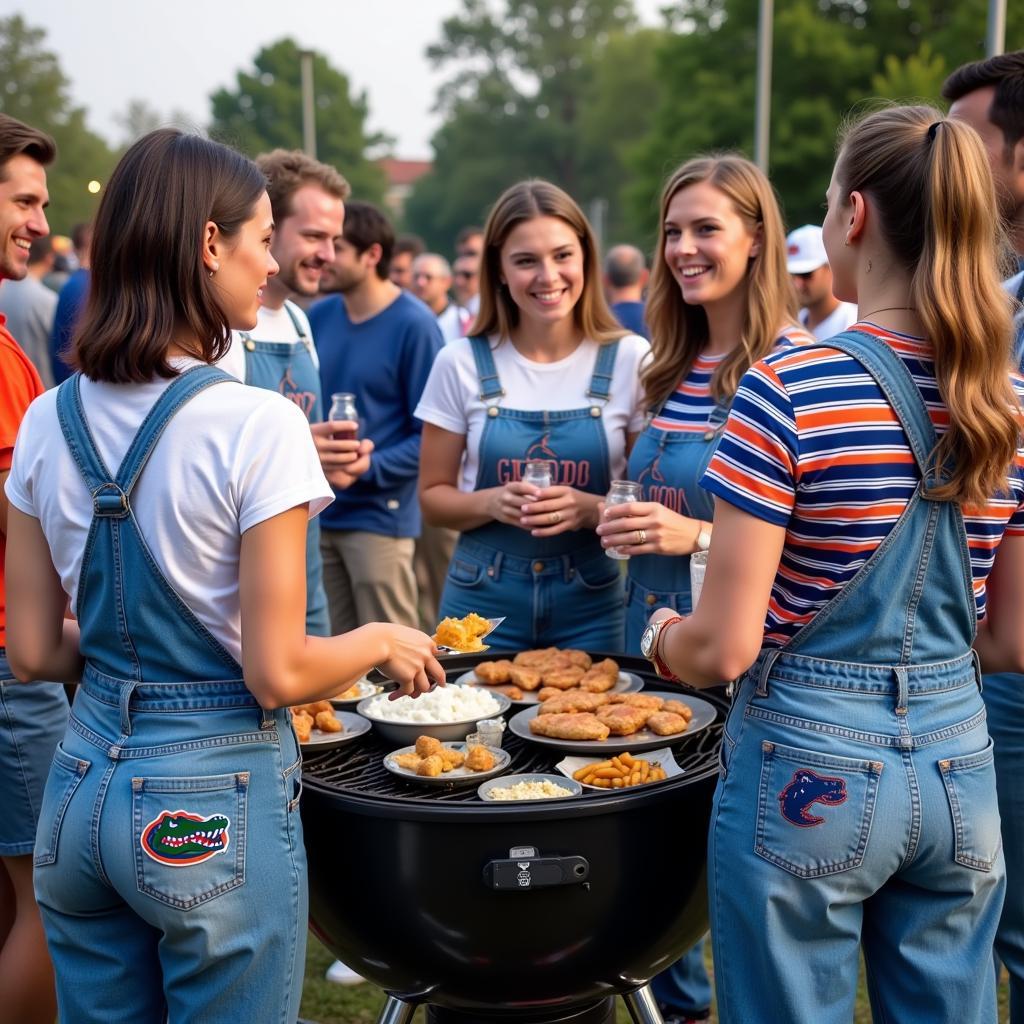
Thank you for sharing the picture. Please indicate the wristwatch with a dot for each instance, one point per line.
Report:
(649, 640)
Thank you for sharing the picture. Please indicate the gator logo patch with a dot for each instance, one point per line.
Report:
(805, 789)
(181, 839)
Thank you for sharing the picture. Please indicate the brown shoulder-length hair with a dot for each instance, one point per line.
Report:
(147, 278)
(525, 201)
(930, 182)
(679, 331)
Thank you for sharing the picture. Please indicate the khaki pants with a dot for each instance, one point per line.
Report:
(368, 578)
(433, 553)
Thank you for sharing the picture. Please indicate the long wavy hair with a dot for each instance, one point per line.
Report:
(522, 202)
(679, 330)
(930, 181)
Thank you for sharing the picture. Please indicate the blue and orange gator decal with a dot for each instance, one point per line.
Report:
(180, 839)
(805, 789)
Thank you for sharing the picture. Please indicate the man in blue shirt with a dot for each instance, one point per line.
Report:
(377, 342)
(625, 276)
(70, 304)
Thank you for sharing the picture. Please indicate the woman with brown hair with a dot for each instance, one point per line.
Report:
(720, 299)
(867, 564)
(547, 375)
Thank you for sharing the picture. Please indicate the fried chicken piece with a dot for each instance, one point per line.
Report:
(608, 666)
(558, 659)
(410, 762)
(639, 700)
(563, 678)
(303, 724)
(580, 658)
(666, 723)
(430, 766)
(531, 659)
(313, 709)
(571, 701)
(569, 727)
(677, 707)
(524, 678)
(597, 681)
(492, 673)
(480, 759)
(451, 758)
(427, 745)
(621, 719)
(326, 722)
(510, 691)
(547, 692)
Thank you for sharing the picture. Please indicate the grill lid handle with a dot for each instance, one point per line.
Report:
(525, 869)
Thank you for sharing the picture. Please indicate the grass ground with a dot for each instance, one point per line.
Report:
(327, 1003)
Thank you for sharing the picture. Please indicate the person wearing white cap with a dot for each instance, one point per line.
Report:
(821, 312)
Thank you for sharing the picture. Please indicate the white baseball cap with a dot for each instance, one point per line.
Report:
(805, 251)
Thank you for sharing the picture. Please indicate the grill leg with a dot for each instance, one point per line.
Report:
(642, 1006)
(395, 1011)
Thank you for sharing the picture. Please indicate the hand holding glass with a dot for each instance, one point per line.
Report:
(621, 492)
(343, 407)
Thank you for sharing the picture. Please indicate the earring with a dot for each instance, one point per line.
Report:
(847, 242)
(214, 268)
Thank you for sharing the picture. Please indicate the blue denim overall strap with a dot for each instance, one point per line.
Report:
(573, 440)
(912, 602)
(668, 464)
(287, 367)
(134, 626)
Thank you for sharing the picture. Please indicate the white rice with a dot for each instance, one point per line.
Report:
(445, 704)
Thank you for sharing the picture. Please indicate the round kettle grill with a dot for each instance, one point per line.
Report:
(533, 913)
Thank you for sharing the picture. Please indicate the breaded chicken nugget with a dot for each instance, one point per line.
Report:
(451, 758)
(493, 672)
(665, 723)
(326, 722)
(563, 678)
(597, 681)
(531, 659)
(569, 727)
(408, 761)
(547, 692)
(430, 766)
(427, 745)
(608, 666)
(480, 759)
(571, 701)
(677, 707)
(621, 719)
(580, 658)
(303, 724)
(524, 678)
(639, 700)
(510, 691)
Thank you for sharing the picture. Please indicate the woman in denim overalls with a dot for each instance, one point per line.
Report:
(856, 808)
(718, 212)
(169, 863)
(524, 553)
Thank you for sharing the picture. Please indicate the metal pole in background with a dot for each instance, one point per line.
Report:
(762, 117)
(308, 109)
(995, 37)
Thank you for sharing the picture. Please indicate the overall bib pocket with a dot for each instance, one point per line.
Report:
(970, 783)
(66, 772)
(814, 810)
(188, 836)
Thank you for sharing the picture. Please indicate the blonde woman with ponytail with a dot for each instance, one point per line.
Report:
(867, 564)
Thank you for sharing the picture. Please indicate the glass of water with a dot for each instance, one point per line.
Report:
(621, 492)
(538, 473)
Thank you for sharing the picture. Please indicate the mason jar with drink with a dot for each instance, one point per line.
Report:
(343, 407)
(622, 492)
(538, 473)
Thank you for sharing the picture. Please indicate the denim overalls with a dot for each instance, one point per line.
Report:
(287, 367)
(157, 897)
(560, 590)
(857, 798)
(668, 464)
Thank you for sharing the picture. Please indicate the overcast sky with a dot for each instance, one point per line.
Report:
(175, 54)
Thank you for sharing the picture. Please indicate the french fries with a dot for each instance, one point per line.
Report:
(620, 772)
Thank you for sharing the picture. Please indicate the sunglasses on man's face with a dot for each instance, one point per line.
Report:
(466, 274)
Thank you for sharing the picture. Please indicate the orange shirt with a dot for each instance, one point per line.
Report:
(19, 385)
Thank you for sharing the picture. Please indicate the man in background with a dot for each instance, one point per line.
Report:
(989, 96)
(466, 288)
(406, 249)
(821, 312)
(625, 277)
(377, 342)
(431, 281)
(29, 307)
(70, 303)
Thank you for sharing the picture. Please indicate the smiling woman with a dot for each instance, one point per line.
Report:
(547, 375)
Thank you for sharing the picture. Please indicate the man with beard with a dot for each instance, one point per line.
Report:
(377, 342)
(278, 354)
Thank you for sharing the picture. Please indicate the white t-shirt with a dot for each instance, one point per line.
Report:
(451, 400)
(835, 323)
(231, 457)
(271, 325)
(451, 320)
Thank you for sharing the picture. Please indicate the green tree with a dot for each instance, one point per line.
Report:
(264, 111)
(35, 91)
(520, 103)
(139, 118)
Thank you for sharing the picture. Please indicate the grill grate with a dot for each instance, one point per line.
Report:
(357, 768)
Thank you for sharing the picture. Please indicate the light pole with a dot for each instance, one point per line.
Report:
(995, 37)
(308, 108)
(762, 117)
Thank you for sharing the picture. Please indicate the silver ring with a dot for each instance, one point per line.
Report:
(641, 537)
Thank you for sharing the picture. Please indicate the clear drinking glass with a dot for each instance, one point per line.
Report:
(698, 566)
(343, 407)
(538, 473)
(490, 731)
(621, 492)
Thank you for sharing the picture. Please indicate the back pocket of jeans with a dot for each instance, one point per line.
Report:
(189, 837)
(66, 772)
(814, 810)
(970, 783)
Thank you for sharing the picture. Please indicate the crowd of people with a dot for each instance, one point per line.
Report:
(196, 542)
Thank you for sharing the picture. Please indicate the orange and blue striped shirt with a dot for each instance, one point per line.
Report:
(812, 445)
